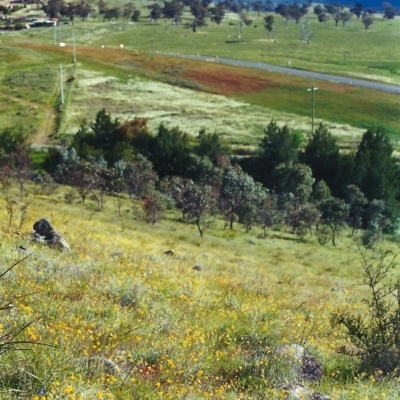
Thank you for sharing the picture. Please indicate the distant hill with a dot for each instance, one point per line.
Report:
(376, 4)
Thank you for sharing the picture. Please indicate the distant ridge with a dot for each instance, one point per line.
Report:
(376, 4)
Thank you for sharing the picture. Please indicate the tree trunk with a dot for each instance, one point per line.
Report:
(199, 227)
(333, 236)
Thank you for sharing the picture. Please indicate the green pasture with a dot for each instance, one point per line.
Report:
(201, 333)
(340, 50)
(32, 75)
(341, 104)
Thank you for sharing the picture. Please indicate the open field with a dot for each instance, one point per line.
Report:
(172, 331)
(235, 102)
(255, 96)
(342, 50)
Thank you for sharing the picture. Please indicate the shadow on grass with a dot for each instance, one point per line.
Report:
(231, 41)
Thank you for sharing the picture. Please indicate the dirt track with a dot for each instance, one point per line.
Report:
(47, 126)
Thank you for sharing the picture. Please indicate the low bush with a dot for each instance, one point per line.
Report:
(375, 335)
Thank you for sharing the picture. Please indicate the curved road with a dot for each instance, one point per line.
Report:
(384, 87)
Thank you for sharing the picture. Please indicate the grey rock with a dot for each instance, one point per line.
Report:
(297, 391)
(45, 233)
(102, 365)
(302, 365)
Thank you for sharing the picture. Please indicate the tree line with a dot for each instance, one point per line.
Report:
(310, 186)
(205, 10)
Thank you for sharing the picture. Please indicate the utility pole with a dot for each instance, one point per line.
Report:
(312, 90)
(54, 34)
(73, 46)
(61, 85)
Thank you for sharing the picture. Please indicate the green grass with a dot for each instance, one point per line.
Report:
(357, 107)
(175, 332)
(169, 328)
(337, 50)
(348, 50)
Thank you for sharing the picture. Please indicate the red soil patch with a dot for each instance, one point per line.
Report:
(221, 79)
(214, 78)
(228, 81)
(334, 87)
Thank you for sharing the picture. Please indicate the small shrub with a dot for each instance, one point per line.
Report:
(9, 338)
(70, 197)
(375, 336)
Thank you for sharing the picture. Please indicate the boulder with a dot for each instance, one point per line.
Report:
(45, 233)
(302, 365)
(297, 391)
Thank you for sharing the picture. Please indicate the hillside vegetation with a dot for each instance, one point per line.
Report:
(169, 330)
(209, 226)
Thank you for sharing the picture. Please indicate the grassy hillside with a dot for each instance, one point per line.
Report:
(172, 331)
(117, 318)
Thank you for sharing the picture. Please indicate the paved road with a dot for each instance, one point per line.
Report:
(384, 87)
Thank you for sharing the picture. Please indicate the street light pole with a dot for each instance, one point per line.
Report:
(61, 85)
(73, 46)
(312, 90)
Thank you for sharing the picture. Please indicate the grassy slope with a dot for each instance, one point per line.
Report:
(174, 332)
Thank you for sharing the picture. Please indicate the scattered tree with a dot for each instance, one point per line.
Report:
(306, 33)
(268, 213)
(258, 7)
(237, 190)
(367, 20)
(357, 9)
(128, 10)
(357, 201)
(283, 10)
(155, 12)
(153, 207)
(136, 16)
(197, 203)
(173, 10)
(269, 23)
(139, 177)
(335, 11)
(334, 214)
(389, 11)
(217, 13)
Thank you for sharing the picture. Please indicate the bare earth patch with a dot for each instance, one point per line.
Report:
(238, 122)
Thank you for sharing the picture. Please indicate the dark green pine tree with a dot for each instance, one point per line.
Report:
(278, 146)
(322, 155)
(170, 154)
(105, 129)
(376, 172)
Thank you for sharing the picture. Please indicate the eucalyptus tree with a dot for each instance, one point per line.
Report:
(238, 192)
(269, 23)
(198, 202)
